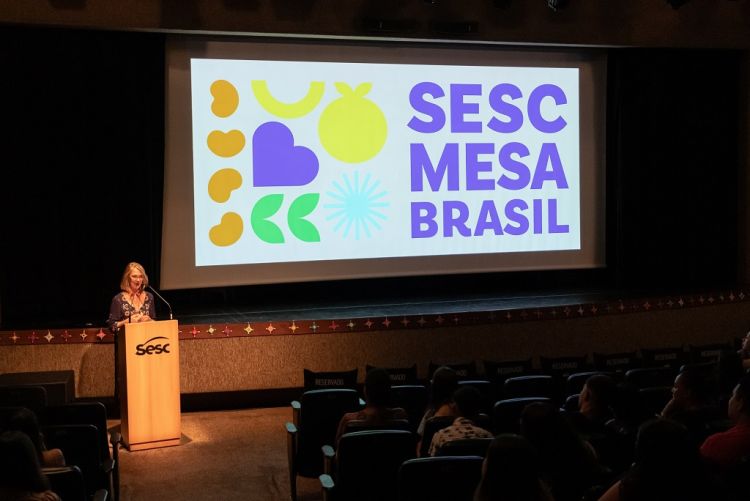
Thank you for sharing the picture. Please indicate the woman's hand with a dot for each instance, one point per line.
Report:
(145, 318)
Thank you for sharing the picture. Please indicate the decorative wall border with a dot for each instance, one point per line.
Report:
(401, 322)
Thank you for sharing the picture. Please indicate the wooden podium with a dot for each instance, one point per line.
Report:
(149, 361)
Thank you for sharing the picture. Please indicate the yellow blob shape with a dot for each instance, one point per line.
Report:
(228, 231)
(222, 183)
(287, 110)
(226, 144)
(226, 98)
(352, 129)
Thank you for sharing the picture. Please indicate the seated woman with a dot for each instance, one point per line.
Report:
(466, 403)
(511, 472)
(726, 449)
(25, 421)
(444, 383)
(21, 478)
(667, 468)
(377, 397)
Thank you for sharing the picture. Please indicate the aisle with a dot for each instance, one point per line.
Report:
(225, 455)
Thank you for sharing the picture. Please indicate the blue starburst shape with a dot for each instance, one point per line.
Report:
(357, 206)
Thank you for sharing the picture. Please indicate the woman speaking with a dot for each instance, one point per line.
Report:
(132, 304)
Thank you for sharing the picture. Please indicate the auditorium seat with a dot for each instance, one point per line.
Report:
(80, 446)
(395, 424)
(654, 398)
(672, 357)
(498, 372)
(68, 483)
(575, 382)
(315, 419)
(364, 465)
(571, 403)
(506, 414)
(647, 377)
(619, 363)
(447, 478)
(323, 380)
(561, 367)
(707, 353)
(33, 398)
(413, 399)
(95, 414)
(464, 370)
(486, 390)
(398, 375)
(541, 385)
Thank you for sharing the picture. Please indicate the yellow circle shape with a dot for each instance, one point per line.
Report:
(287, 110)
(223, 183)
(228, 231)
(226, 98)
(352, 128)
(226, 144)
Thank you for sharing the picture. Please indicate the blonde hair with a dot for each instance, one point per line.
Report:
(125, 280)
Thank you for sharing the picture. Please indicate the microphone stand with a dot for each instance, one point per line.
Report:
(160, 297)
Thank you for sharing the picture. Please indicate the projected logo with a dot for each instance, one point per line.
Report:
(351, 129)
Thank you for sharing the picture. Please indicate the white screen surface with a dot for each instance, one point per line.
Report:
(319, 161)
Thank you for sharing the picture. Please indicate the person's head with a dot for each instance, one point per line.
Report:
(691, 387)
(19, 464)
(467, 401)
(25, 421)
(510, 471)
(444, 383)
(597, 394)
(377, 388)
(739, 405)
(729, 370)
(134, 278)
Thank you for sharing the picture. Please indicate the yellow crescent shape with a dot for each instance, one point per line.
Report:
(288, 110)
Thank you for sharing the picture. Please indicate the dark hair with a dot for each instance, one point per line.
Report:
(444, 383)
(468, 400)
(699, 383)
(23, 420)
(601, 390)
(378, 387)
(511, 471)
(19, 464)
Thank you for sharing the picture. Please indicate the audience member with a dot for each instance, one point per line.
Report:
(594, 405)
(628, 413)
(692, 403)
(25, 421)
(729, 370)
(21, 477)
(510, 472)
(727, 448)
(444, 383)
(567, 462)
(377, 397)
(667, 468)
(467, 402)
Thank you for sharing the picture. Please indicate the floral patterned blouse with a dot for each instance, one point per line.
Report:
(121, 309)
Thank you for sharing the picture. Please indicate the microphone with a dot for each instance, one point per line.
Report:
(160, 297)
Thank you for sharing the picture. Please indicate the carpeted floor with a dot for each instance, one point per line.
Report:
(224, 455)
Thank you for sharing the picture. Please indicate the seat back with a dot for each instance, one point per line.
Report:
(672, 357)
(319, 416)
(653, 399)
(93, 413)
(432, 426)
(33, 398)
(465, 447)
(575, 381)
(367, 464)
(394, 424)
(67, 482)
(446, 478)
(529, 386)
(80, 446)
(413, 399)
(649, 377)
(486, 391)
(506, 414)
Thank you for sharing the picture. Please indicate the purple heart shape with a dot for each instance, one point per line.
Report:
(277, 162)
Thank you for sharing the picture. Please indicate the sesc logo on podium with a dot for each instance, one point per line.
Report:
(151, 348)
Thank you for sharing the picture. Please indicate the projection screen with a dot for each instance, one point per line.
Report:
(291, 161)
